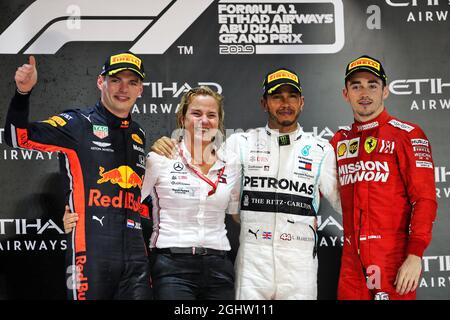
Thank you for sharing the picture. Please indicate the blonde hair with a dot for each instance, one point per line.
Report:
(200, 91)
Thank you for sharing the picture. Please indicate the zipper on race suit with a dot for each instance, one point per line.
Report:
(358, 239)
(315, 241)
(359, 246)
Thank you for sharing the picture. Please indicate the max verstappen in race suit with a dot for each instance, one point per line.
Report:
(285, 173)
(387, 190)
(104, 153)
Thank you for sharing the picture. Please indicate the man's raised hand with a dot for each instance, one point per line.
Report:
(26, 76)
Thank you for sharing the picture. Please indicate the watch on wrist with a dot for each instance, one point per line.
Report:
(22, 92)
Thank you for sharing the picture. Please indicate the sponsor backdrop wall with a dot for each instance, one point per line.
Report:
(228, 45)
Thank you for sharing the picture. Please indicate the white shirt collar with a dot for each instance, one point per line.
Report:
(221, 156)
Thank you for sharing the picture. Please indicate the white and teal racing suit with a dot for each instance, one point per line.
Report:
(284, 176)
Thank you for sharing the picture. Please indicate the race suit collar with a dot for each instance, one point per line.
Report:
(112, 120)
(380, 120)
(294, 135)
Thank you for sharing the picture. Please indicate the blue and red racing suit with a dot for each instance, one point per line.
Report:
(104, 158)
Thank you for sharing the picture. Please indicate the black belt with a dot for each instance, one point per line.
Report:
(195, 251)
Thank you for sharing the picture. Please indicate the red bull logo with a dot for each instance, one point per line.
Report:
(82, 281)
(124, 200)
(124, 176)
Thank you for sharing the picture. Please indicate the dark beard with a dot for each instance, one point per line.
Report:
(285, 123)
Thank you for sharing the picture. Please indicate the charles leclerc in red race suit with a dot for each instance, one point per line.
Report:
(388, 196)
(388, 199)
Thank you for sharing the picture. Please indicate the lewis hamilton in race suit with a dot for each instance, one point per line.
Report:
(285, 172)
(387, 191)
(104, 158)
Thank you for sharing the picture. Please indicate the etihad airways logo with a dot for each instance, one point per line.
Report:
(153, 26)
(24, 226)
(280, 26)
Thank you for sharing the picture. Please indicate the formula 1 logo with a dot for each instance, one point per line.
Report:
(153, 26)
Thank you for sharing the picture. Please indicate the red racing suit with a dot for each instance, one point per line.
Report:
(388, 196)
